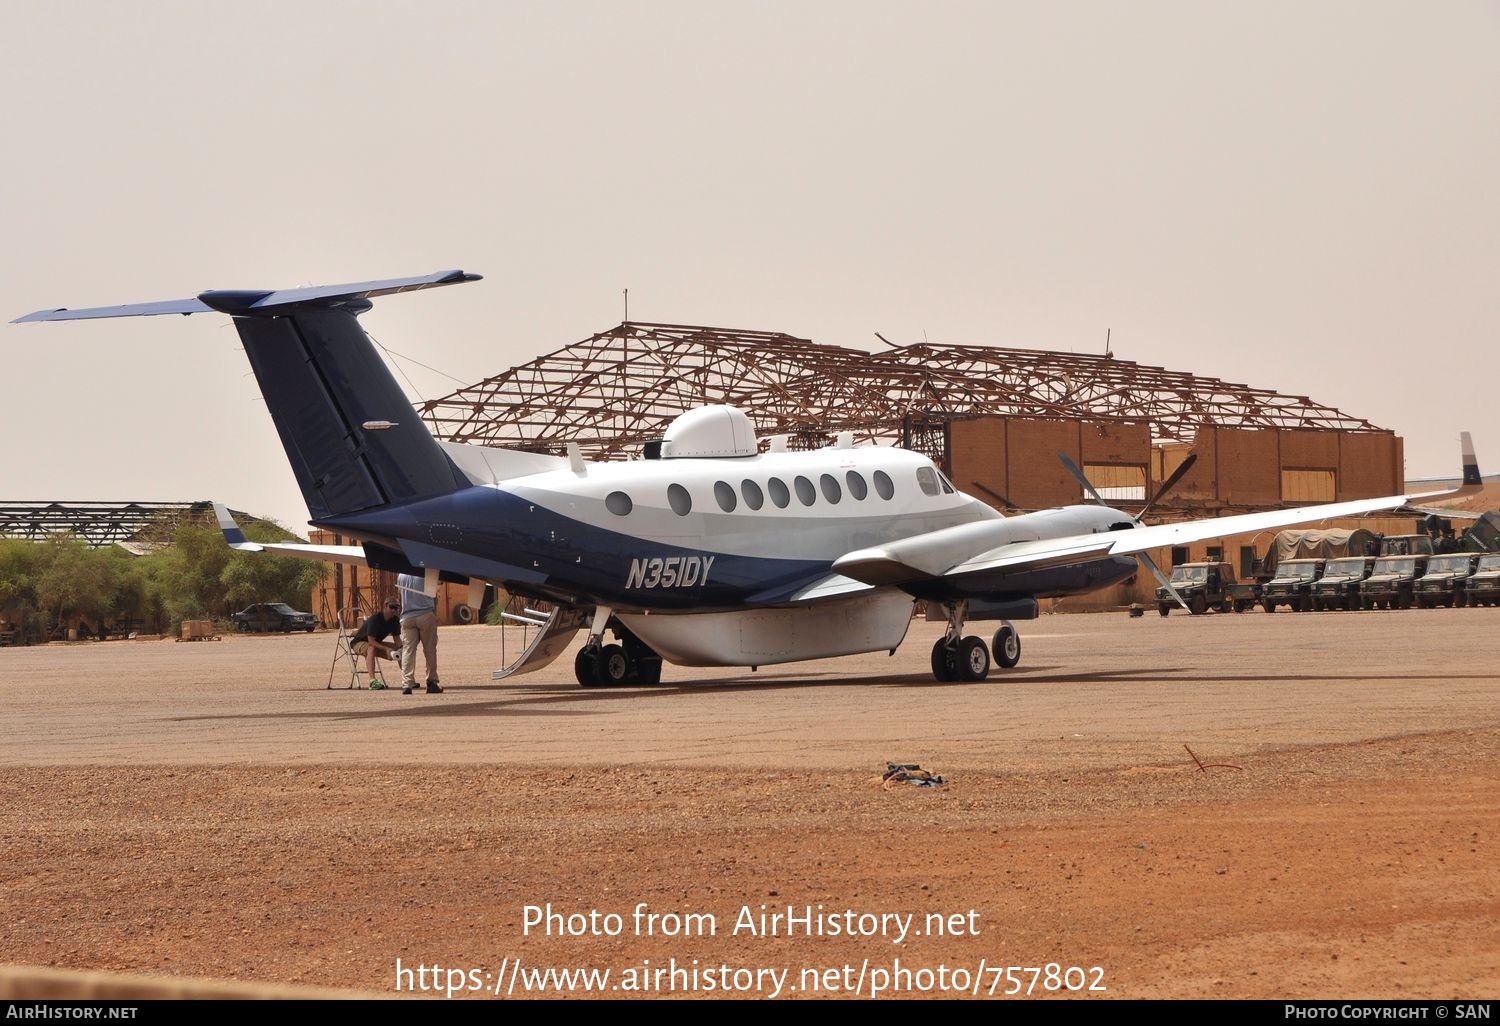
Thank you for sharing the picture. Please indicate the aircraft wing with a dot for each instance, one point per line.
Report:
(962, 553)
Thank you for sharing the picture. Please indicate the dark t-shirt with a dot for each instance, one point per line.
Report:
(377, 627)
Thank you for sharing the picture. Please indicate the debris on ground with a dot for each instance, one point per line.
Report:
(909, 773)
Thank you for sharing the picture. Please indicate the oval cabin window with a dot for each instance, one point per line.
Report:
(724, 496)
(805, 491)
(779, 495)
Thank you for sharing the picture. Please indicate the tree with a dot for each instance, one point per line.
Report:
(72, 578)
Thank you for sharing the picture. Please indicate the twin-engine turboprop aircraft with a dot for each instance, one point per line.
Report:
(707, 552)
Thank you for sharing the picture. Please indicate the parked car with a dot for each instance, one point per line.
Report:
(273, 616)
(1338, 588)
(1484, 587)
(1392, 584)
(1205, 586)
(1445, 581)
(1292, 585)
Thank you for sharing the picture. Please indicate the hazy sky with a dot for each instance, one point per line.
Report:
(1294, 195)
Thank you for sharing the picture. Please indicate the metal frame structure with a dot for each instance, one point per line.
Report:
(139, 526)
(620, 388)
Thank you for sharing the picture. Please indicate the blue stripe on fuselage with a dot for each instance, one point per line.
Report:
(492, 533)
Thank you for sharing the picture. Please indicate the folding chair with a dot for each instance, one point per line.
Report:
(349, 620)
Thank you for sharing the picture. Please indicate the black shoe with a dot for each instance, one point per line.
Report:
(433, 689)
(406, 690)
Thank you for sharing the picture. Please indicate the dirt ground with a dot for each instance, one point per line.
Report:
(1283, 806)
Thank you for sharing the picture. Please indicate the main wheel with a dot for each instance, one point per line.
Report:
(973, 659)
(944, 660)
(584, 668)
(648, 671)
(612, 667)
(1007, 646)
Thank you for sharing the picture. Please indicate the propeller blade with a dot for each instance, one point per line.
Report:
(1168, 484)
(1088, 488)
(1166, 582)
(1002, 500)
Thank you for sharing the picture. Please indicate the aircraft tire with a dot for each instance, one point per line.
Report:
(944, 661)
(973, 659)
(612, 667)
(584, 668)
(1007, 646)
(648, 671)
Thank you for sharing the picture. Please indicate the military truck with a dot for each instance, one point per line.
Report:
(1483, 588)
(1292, 586)
(1406, 545)
(1339, 586)
(1205, 586)
(1392, 582)
(1446, 581)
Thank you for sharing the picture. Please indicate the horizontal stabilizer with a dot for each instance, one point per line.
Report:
(249, 303)
(235, 538)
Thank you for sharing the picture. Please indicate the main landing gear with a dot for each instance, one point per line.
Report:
(955, 657)
(632, 661)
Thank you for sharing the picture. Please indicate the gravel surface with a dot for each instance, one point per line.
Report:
(1283, 806)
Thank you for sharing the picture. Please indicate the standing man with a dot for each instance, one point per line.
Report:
(418, 625)
(370, 640)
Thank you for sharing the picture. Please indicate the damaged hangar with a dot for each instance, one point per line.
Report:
(993, 418)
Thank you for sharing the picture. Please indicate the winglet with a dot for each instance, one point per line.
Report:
(1472, 480)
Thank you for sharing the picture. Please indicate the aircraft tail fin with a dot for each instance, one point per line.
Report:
(352, 437)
